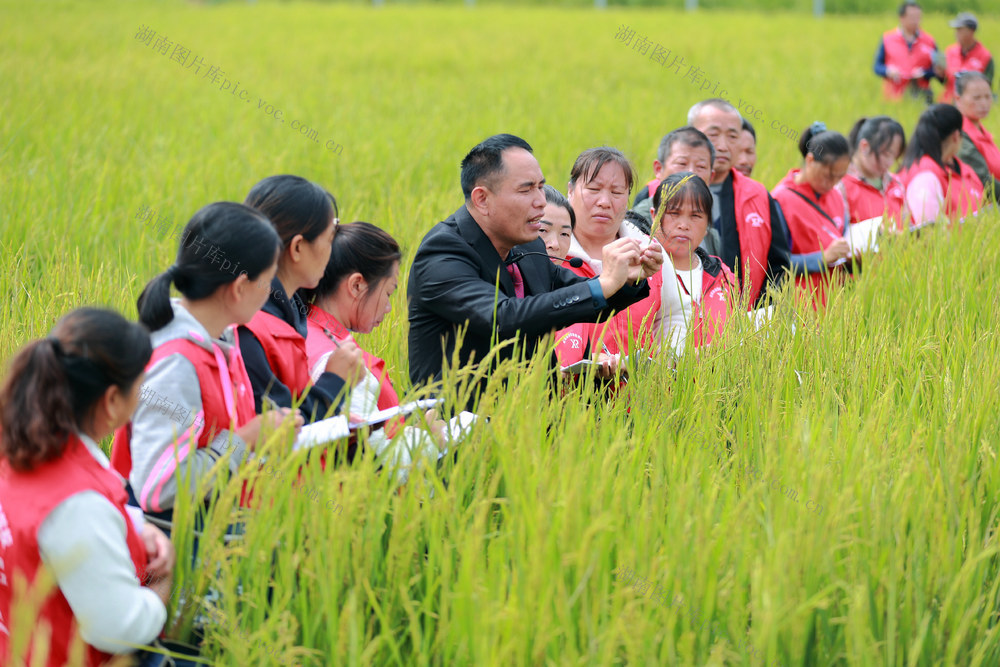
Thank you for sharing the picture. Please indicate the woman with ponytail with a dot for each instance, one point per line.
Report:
(816, 212)
(274, 340)
(63, 508)
(937, 182)
(197, 401)
(870, 188)
(354, 295)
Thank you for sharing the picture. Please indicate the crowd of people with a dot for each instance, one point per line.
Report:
(269, 345)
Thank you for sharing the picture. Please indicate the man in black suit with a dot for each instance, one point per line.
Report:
(475, 269)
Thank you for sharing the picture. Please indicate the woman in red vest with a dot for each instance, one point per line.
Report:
(354, 295)
(816, 211)
(274, 341)
(197, 402)
(63, 508)
(599, 184)
(692, 296)
(978, 150)
(870, 188)
(937, 182)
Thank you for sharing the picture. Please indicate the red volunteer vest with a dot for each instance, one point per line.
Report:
(810, 230)
(226, 403)
(708, 316)
(571, 342)
(963, 191)
(865, 201)
(26, 499)
(318, 343)
(285, 350)
(906, 59)
(983, 141)
(976, 60)
(753, 224)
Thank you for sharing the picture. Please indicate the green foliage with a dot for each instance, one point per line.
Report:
(827, 496)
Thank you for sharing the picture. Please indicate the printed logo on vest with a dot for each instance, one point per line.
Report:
(754, 219)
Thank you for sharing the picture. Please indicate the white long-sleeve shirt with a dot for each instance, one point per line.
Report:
(82, 541)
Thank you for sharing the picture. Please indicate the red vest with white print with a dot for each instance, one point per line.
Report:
(906, 59)
(753, 224)
(708, 316)
(810, 230)
(26, 500)
(976, 60)
(226, 404)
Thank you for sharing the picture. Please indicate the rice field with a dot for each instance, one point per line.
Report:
(825, 492)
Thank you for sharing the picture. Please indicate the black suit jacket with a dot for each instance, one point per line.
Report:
(458, 279)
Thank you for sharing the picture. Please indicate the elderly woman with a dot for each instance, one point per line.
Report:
(599, 186)
(978, 149)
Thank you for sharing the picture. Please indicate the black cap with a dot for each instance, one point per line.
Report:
(964, 20)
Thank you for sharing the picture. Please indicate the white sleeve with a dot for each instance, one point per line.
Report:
(924, 197)
(83, 542)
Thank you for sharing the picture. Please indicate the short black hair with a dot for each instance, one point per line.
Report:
(485, 161)
(748, 127)
(906, 5)
(687, 136)
(591, 161)
(556, 198)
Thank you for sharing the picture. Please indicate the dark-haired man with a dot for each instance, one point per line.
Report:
(484, 269)
(753, 238)
(905, 57)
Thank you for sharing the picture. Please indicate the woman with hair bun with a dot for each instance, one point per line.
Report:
(816, 212)
(937, 182)
(63, 508)
(870, 188)
(197, 401)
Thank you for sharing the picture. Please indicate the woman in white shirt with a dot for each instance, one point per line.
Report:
(62, 507)
(689, 299)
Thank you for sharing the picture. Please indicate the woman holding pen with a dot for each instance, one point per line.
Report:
(816, 212)
(353, 296)
(197, 400)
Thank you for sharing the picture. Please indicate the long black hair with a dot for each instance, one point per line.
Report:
(222, 241)
(936, 123)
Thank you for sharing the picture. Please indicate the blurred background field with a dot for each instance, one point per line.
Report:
(882, 411)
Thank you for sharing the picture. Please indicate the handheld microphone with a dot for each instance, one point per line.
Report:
(575, 262)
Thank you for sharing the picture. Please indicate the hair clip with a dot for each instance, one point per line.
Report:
(817, 127)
